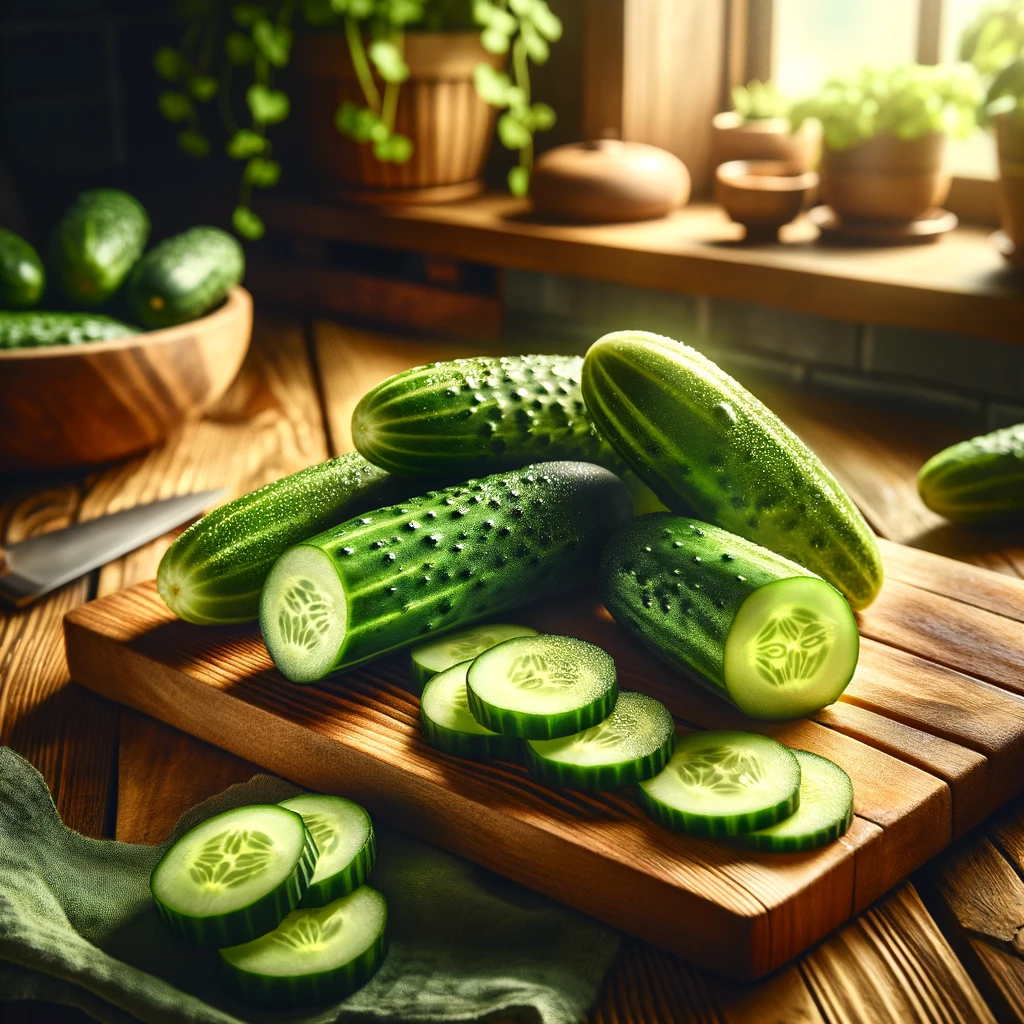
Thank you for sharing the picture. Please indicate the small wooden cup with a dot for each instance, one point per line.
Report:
(72, 405)
(763, 195)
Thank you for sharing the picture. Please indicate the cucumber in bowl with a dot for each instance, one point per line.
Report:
(751, 626)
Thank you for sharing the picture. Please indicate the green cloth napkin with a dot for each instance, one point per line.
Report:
(78, 926)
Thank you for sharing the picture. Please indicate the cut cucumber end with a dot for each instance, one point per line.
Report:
(303, 614)
(792, 649)
(426, 660)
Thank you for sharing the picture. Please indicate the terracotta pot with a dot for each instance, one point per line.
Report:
(1010, 140)
(732, 138)
(886, 179)
(450, 126)
(763, 194)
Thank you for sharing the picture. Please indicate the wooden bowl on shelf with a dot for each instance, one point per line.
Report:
(72, 405)
(763, 195)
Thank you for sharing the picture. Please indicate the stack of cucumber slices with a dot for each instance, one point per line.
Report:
(280, 890)
(495, 686)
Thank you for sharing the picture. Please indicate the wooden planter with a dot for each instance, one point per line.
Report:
(732, 138)
(438, 108)
(886, 179)
(1010, 141)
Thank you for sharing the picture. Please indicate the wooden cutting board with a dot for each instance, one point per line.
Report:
(931, 730)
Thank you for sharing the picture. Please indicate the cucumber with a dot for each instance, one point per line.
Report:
(724, 783)
(825, 812)
(541, 687)
(437, 562)
(479, 415)
(214, 572)
(22, 277)
(976, 481)
(449, 725)
(345, 844)
(709, 448)
(34, 328)
(235, 875)
(315, 955)
(184, 277)
(426, 660)
(632, 744)
(95, 244)
(751, 626)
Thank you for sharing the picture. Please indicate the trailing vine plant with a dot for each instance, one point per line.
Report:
(221, 44)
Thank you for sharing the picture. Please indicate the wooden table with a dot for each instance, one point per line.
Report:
(945, 947)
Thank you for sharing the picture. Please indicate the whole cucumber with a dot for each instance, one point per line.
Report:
(479, 415)
(96, 243)
(707, 447)
(22, 277)
(977, 481)
(32, 328)
(436, 562)
(184, 277)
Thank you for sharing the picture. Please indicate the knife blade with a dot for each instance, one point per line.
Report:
(34, 567)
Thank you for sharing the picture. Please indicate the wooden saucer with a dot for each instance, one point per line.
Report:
(927, 228)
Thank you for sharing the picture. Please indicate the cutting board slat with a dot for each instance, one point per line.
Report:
(931, 750)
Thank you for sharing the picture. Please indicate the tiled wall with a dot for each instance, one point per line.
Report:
(954, 377)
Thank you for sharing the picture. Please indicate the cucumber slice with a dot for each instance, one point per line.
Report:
(463, 645)
(722, 783)
(541, 687)
(235, 875)
(343, 834)
(316, 955)
(632, 744)
(825, 812)
(449, 725)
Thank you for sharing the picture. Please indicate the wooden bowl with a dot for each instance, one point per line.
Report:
(73, 405)
(763, 194)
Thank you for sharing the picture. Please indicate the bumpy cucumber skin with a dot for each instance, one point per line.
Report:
(977, 481)
(22, 276)
(95, 244)
(479, 415)
(34, 329)
(184, 277)
(249, 922)
(709, 448)
(214, 572)
(452, 557)
(677, 584)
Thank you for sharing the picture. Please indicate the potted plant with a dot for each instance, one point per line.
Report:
(994, 44)
(757, 128)
(397, 97)
(884, 138)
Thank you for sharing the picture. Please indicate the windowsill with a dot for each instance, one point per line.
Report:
(961, 283)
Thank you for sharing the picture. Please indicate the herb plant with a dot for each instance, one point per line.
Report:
(759, 101)
(223, 49)
(994, 44)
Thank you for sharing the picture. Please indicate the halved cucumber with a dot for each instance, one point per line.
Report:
(344, 838)
(541, 687)
(428, 659)
(632, 744)
(825, 812)
(722, 783)
(235, 875)
(315, 955)
(449, 725)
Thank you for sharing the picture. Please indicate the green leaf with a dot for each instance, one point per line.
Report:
(379, 132)
(358, 123)
(512, 132)
(387, 59)
(401, 148)
(267, 105)
(245, 143)
(194, 143)
(274, 41)
(492, 86)
(353, 8)
(169, 63)
(239, 48)
(247, 224)
(318, 12)
(262, 173)
(175, 106)
(490, 16)
(404, 12)
(542, 117)
(536, 45)
(494, 41)
(203, 87)
(248, 14)
(519, 181)
(547, 23)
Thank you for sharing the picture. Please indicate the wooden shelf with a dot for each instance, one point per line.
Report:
(960, 283)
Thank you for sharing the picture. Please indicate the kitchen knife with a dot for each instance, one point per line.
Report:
(34, 567)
